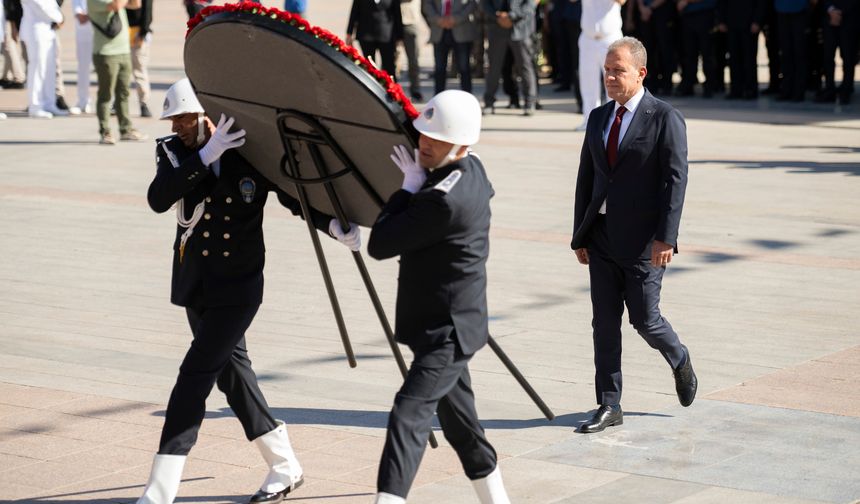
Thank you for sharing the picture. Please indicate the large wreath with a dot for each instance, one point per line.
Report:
(392, 88)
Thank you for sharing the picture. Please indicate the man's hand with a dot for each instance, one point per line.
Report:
(413, 174)
(352, 238)
(645, 12)
(82, 18)
(581, 255)
(661, 254)
(349, 39)
(755, 28)
(504, 20)
(835, 16)
(221, 140)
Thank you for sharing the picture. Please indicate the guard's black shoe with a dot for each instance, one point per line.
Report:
(271, 498)
(606, 416)
(144, 110)
(685, 381)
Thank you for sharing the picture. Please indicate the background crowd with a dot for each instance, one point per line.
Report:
(517, 42)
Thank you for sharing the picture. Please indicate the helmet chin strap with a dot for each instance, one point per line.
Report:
(201, 129)
(450, 158)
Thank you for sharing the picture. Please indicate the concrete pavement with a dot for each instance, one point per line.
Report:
(765, 294)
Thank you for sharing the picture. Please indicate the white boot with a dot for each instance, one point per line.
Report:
(491, 490)
(163, 480)
(387, 498)
(285, 473)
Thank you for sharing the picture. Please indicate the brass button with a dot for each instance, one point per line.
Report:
(208, 199)
(207, 216)
(226, 236)
(229, 199)
(205, 253)
(226, 254)
(226, 218)
(205, 234)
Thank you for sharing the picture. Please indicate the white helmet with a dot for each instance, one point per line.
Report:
(181, 99)
(451, 116)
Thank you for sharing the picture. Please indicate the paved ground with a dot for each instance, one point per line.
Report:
(764, 293)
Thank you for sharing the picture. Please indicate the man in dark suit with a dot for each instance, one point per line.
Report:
(453, 27)
(511, 24)
(841, 28)
(742, 20)
(377, 25)
(629, 196)
(218, 257)
(439, 224)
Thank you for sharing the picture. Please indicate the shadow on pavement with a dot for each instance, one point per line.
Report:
(802, 167)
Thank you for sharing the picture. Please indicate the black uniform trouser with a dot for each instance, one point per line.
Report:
(845, 37)
(792, 46)
(615, 282)
(386, 53)
(438, 381)
(696, 30)
(743, 50)
(574, 29)
(658, 38)
(217, 354)
(462, 52)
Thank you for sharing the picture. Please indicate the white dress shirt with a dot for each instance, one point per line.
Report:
(631, 106)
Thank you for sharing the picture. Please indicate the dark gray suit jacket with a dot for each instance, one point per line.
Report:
(645, 189)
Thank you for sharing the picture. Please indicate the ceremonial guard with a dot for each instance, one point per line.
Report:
(218, 277)
(438, 224)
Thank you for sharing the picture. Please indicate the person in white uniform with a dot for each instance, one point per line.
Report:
(39, 37)
(84, 53)
(601, 25)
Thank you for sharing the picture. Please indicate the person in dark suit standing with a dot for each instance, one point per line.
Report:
(629, 196)
(439, 223)
(218, 263)
(377, 25)
(452, 28)
(793, 20)
(510, 24)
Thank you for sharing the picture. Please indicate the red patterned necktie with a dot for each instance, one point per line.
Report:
(612, 141)
(447, 8)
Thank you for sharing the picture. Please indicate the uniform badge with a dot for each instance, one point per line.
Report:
(247, 188)
(450, 181)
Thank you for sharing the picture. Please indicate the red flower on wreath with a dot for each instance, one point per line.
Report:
(394, 91)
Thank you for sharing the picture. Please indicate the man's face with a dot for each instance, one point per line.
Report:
(621, 75)
(185, 125)
(432, 152)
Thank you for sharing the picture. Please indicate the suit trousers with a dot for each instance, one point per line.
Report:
(438, 380)
(462, 51)
(614, 283)
(217, 354)
(696, 36)
(140, 69)
(386, 54)
(499, 39)
(411, 47)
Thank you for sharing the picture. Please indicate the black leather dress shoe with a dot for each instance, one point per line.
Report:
(274, 497)
(685, 381)
(606, 416)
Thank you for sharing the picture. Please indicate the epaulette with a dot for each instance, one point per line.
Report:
(449, 182)
(166, 138)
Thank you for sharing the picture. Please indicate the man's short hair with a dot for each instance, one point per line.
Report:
(637, 50)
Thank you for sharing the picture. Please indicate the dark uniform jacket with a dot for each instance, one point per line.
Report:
(222, 262)
(376, 22)
(441, 234)
(644, 191)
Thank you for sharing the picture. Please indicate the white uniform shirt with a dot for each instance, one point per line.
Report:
(631, 106)
(601, 18)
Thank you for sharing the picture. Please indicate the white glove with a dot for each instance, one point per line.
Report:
(221, 140)
(413, 174)
(352, 238)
